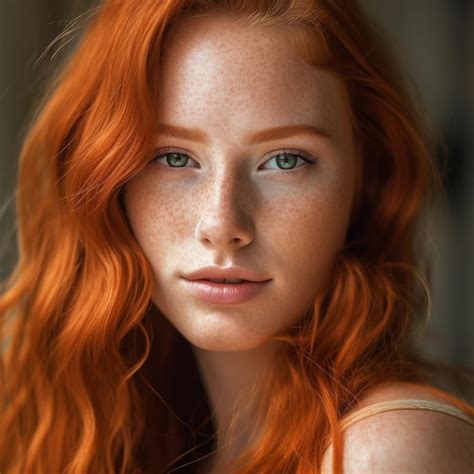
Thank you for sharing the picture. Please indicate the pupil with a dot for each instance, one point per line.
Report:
(175, 159)
(283, 159)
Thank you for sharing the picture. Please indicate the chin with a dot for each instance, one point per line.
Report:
(222, 347)
(218, 341)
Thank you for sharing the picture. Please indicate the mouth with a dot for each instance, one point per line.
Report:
(228, 275)
(226, 281)
(224, 291)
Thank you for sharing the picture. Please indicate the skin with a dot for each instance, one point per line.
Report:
(408, 441)
(232, 204)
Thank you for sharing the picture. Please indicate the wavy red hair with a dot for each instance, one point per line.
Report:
(87, 369)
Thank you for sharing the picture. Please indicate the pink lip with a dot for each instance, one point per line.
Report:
(224, 293)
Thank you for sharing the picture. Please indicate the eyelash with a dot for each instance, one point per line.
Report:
(308, 160)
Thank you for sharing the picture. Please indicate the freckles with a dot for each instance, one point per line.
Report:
(169, 213)
(146, 211)
(180, 220)
(287, 222)
(144, 220)
(309, 220)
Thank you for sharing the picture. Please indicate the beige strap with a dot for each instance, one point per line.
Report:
(408, 404)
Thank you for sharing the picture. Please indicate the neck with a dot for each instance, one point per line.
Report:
(231, 380)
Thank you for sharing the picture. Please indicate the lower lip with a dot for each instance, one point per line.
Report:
(224, 293)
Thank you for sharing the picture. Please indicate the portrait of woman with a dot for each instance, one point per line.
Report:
(221, 210)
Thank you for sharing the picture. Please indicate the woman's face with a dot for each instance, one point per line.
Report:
(227, 200)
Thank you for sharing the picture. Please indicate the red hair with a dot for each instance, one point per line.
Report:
(81, 331)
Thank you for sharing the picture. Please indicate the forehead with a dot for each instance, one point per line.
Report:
(217, 70)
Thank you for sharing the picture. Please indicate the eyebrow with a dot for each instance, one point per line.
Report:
(274, 133)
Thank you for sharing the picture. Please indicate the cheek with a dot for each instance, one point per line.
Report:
(314, 231)
(157, 217)
(312, 238)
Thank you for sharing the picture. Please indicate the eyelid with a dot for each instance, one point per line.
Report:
(159, 153)
(308, 159)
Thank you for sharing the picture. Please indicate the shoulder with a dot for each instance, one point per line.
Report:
(409, 441)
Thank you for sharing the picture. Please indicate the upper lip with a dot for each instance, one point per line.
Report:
(229, 272)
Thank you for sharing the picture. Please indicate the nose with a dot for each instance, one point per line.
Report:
(226, 222)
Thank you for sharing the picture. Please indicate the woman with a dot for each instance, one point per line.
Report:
(190, 141)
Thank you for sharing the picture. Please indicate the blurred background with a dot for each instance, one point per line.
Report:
(434, 40)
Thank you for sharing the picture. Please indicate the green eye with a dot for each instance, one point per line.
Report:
(285, 160)
(176, 160)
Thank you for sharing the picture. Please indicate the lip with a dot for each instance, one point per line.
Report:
(229, 272)
(224, 293)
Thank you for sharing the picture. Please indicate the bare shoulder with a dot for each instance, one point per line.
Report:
(408, 441)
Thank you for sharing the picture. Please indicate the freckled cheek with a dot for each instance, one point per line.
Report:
(314, 233)
(159, 215)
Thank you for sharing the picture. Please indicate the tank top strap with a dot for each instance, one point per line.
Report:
(405, 404)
